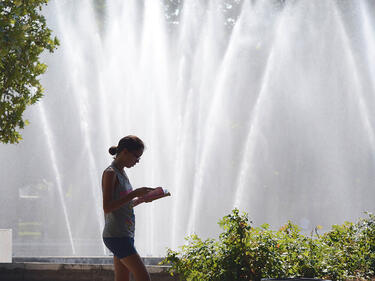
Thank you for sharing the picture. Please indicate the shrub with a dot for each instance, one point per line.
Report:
(244, 252)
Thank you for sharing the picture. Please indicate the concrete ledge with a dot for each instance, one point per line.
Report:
(81, 260)
(71, 272)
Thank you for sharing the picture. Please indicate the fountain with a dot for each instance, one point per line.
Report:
(260, 105)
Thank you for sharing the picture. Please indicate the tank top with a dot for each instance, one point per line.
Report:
(121, 222)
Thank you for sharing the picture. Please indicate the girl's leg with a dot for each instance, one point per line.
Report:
(121, 271)
(135, 264)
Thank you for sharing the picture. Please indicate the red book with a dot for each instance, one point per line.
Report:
(151, 196)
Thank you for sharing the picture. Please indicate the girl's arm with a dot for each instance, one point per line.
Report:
(108, 184)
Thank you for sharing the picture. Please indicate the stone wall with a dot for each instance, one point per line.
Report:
(71, 272)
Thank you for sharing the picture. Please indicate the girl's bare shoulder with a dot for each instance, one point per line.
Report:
(109, 177)
(109, 172)
(109, 169)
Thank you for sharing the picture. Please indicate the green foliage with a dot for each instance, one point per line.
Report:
(243, 252)
(23, 37)
(352, 249)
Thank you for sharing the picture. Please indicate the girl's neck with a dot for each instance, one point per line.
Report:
(118, 164)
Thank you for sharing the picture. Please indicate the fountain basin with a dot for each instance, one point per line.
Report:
(72, 269)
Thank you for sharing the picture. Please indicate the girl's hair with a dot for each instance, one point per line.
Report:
(131, 143)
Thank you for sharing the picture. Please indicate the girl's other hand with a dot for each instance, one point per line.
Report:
(139, 192)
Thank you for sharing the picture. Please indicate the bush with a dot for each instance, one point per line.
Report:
(243, 252)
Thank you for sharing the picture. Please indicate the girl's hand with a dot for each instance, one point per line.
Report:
(139, 192)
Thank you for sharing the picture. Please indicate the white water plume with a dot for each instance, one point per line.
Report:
(50, 146)
(261, 105)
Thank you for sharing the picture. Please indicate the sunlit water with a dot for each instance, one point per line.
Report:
(261, 105)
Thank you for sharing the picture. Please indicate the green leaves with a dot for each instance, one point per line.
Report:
(243, 252)
(23, 37)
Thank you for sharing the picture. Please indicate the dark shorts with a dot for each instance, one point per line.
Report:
(121, 247)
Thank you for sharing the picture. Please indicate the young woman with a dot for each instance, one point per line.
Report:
(118, 233)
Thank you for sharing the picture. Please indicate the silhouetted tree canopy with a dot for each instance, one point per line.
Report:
(24, 35)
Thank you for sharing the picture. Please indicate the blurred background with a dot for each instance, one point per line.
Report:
(260, 105)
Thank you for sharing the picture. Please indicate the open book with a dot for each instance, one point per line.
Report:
(157, 193)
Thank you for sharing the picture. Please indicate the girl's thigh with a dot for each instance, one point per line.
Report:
(121, 271)
(136, 266)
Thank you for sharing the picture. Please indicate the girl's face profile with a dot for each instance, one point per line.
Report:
(130, 158)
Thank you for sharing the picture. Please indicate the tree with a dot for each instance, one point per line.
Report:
(24, 35)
